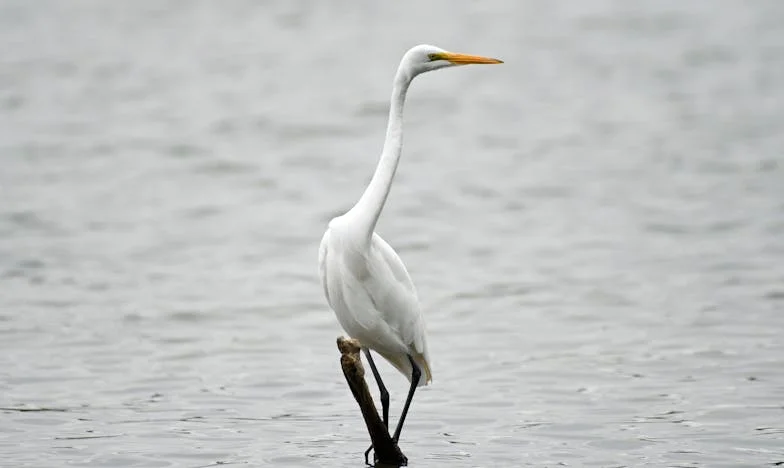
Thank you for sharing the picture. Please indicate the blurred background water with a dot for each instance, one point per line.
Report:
(596, 230)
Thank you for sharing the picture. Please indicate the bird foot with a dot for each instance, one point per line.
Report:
(403, 462)
(367, 454)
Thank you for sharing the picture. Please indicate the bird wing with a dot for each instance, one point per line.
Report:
(374, 298)
(394, 295)
(395, 265)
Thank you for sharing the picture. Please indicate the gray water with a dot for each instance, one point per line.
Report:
(596, 230)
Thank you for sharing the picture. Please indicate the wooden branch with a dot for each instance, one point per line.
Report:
(386, 450)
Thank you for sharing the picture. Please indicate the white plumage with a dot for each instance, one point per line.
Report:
(373, 297)
(365, 282)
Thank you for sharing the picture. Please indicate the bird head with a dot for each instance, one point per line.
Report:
(425, 58)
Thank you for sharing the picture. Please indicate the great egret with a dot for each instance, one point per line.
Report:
(366, 283)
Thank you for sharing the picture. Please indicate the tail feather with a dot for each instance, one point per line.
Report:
(402, 364)
(427, 375)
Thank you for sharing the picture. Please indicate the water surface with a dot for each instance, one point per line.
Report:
(596, 230)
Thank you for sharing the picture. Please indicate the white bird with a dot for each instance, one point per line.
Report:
(366, 283)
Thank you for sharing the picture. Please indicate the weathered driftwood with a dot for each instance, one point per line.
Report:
(387, 453)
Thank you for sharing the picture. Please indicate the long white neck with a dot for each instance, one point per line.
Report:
(368, 209)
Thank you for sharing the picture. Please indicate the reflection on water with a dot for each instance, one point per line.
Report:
(595, 230)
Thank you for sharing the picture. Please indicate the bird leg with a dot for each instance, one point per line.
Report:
(386, 450)
(384, 397)
(367, 456)
(415, 375)
(381, 388)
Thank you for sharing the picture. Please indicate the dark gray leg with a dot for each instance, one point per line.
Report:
(415, 375)
(384, 397)
(367, 455)
(381, 388)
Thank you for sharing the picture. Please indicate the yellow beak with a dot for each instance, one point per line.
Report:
(464, 59)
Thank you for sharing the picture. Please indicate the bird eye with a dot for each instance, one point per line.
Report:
(433, 57)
